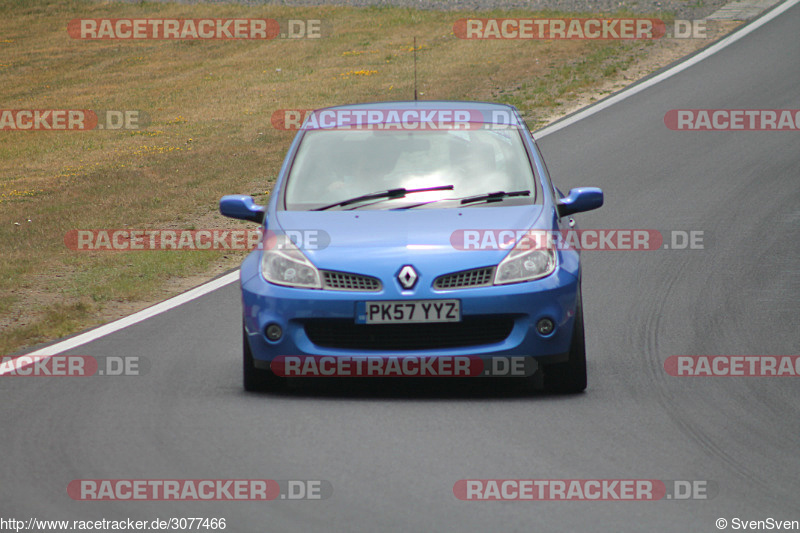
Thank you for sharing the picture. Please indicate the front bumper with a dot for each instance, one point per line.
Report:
(505, 315)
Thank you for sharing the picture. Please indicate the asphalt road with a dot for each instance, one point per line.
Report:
(393, 453)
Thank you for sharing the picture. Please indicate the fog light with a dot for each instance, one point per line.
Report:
(274, 332)
(545, 327)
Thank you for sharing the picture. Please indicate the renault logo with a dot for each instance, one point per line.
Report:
(407, 277)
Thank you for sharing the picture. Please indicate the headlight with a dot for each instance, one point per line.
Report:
(285, 264)
(533, 257)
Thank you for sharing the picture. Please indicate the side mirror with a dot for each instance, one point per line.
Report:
(579, 200)
(242, 207)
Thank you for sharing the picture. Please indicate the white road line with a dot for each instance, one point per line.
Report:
(626, 93)
(102, 331)
(111, 327)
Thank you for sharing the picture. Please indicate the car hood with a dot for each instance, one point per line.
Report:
(346, 238)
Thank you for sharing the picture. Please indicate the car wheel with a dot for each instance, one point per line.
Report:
(570, 376)
(257, 379)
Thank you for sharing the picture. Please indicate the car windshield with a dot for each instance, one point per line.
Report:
(337, 165)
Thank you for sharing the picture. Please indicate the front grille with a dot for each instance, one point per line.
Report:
(345, 281)
(471, 331)
(477, 277)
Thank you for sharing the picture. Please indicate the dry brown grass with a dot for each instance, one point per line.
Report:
(210, 104)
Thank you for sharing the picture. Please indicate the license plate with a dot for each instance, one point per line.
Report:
(408, 311)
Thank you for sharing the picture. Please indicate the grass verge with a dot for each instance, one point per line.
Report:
(210, 104)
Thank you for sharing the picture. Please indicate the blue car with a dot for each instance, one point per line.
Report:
(410, 229)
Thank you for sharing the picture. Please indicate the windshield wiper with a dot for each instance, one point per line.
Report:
(388, 194)
(493, 196)
(488, 197)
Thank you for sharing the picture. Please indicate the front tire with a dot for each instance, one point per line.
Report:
(570, 376)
